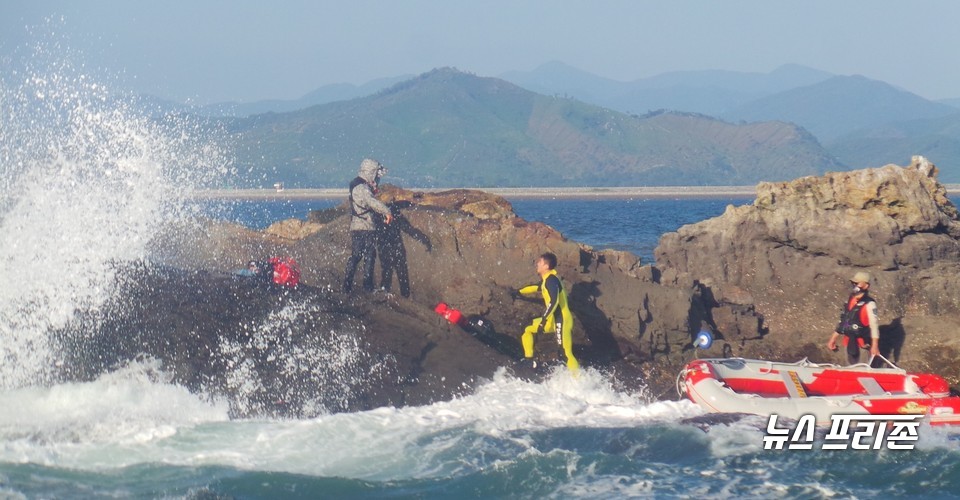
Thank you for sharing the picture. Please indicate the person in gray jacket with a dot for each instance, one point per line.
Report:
(363, 241)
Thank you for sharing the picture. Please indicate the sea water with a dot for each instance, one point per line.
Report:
(128, 435)
(632, 224)
(88, 182)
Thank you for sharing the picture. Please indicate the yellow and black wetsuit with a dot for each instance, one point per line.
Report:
(556, 313)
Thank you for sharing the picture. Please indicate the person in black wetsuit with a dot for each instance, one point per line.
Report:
(393, 254)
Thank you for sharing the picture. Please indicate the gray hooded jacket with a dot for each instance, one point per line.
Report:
(362, 200)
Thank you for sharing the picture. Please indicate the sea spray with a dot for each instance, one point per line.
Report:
(132, 405)
(297, 358)
(270, 351)
(562, 438)
(86, 181)
(136, 409)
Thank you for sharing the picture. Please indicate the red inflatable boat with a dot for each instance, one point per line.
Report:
(791, 390)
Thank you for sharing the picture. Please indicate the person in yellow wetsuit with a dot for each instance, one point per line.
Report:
(556, 317)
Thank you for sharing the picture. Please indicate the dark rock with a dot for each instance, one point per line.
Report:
(295, 353)
(767, 279)
(273, 350)
(789, 256)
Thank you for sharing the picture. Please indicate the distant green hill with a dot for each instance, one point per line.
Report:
(322, 95)
(447, 128)
(709, 92)
(861, 121)
(955, 102)
(840, 105)
(936, 138)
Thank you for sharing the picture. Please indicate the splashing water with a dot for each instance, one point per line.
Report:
(86, 181)
(325, 361)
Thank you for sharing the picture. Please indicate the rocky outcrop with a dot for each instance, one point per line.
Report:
(479, 251)
(791, 253)
(767, 278)
(273, 351)
(293, 229)
(270, 351)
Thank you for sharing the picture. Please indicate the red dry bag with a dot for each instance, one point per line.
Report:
(286, 271)
(452, 315)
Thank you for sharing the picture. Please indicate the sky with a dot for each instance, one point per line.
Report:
(205, 51)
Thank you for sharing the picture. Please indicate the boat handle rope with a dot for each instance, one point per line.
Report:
(887, 361)
(681, 379)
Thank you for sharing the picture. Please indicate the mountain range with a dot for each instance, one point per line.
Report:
(448, 128)
(710, 92)
(322, 95)
(860, 121)
(559, 126)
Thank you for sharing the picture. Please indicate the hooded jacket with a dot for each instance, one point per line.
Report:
(362, 201)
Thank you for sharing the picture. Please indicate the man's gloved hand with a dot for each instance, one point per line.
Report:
(540, 328)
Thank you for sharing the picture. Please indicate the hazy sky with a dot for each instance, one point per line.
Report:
(210, 51)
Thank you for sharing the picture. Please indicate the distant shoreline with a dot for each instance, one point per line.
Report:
(543, 193)
(515, 193)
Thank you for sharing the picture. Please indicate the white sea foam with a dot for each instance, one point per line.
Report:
(85, 182)
(345, 364)
(133, 416)
(131, 409)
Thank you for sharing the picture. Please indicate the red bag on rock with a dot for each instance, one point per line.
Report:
(286, 271)
(452, 315)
